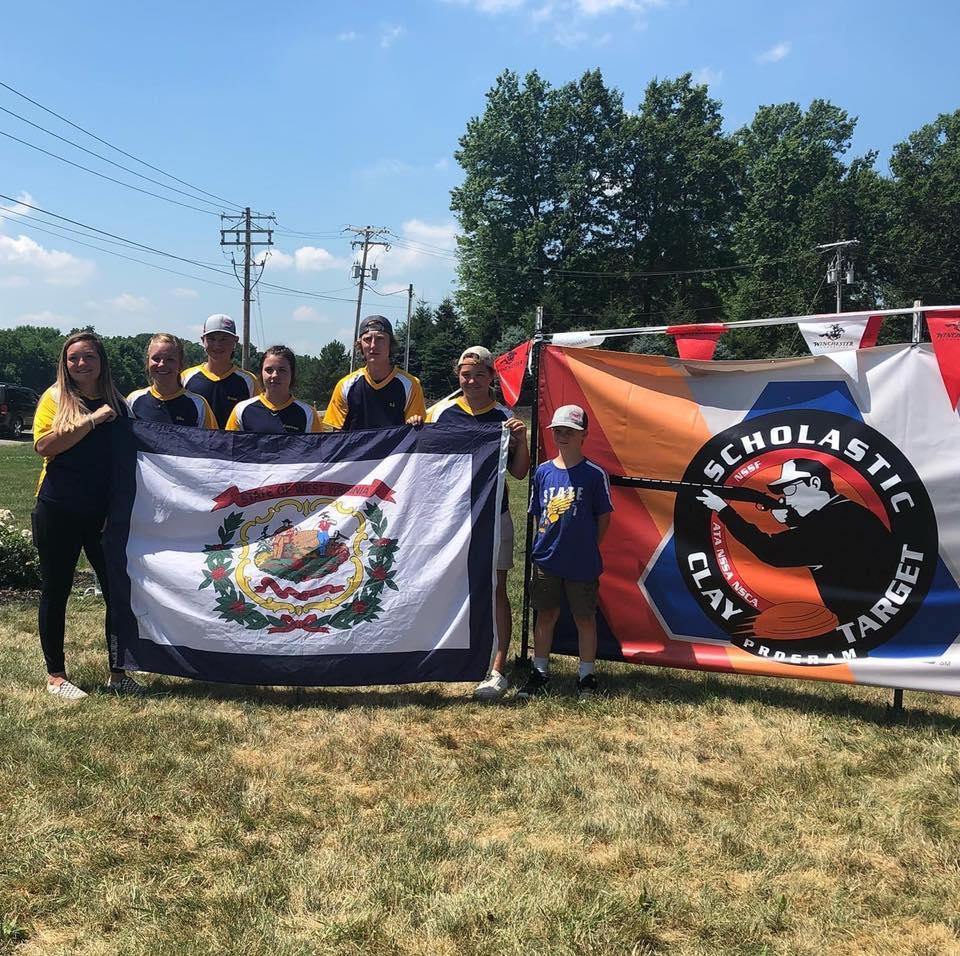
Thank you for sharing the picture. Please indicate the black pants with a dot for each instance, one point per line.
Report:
(59, 535)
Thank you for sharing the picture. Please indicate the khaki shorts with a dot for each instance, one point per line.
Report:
(547, 590)
(505, 554)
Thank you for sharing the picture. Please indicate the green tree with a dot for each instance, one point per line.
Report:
(28, 355)
(537, 165)
(922, 246)
(673, 205)
(332, 364)
(446, 342)
(797, 192)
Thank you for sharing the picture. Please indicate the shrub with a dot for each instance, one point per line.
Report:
(19, 562)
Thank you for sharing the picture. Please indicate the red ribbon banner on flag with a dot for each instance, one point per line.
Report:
(945, 336)
(511, 367)
(696, 341)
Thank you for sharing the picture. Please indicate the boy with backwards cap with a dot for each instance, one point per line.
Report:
(476, 374)
(379, 395)
(570, 501)
(218, 380)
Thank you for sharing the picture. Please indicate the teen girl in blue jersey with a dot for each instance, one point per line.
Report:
(476, 403)
(276, 411)
(166, 400)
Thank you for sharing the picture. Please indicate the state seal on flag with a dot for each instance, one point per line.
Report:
(291, 561)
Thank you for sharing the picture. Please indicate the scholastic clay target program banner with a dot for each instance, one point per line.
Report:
(787, 518)
(333, 559)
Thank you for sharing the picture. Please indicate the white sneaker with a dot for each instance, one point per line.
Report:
(493, 688)
(125, 687)
(65, 690)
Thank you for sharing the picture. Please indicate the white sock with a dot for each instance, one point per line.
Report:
(542, 664)
(585, 668)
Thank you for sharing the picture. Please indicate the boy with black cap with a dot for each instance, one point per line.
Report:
(379, 395)
(570, 501)
(218, 380)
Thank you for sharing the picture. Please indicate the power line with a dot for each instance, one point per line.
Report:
(161, 252)
(136, 159)
(666, 272)
(120, 255)
(111, 179)
(91, 152)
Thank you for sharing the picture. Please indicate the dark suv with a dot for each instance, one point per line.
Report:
(17, 406)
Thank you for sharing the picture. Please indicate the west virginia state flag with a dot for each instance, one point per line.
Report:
(334, 559)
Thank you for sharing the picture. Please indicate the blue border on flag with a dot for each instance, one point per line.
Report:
(481, 442)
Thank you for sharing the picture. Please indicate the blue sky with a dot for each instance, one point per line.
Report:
(330, 114)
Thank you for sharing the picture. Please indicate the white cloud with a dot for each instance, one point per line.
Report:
(22, 205)
(570, 23)
(594, 8)
(182, 293)
(390, 33)
(306, 313)
(420, 245)
(45, 318)
(13, 282)
(442, 234)
(385, 167)
(57, 267)
(347, 36)
(279, 260)
(315, 259)
(707, 75)
(126, 302)
(490, 6)
(776, 53)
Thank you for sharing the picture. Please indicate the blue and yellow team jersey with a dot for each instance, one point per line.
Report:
(293, 417)
(221, 392)
(360, 402)
(183, 408)
(452, 410)
(76, 479)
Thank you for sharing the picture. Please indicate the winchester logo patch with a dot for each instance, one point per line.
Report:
(291, 562)
(804, 535)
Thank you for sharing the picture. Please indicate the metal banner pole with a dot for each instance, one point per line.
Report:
(534, 461)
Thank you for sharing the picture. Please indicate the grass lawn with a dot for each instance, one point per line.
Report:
(19, 471)
(681, 813)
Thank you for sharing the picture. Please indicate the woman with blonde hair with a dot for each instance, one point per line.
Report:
(166, 400)
(71, 430)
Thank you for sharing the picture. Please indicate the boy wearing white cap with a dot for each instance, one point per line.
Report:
(475, 373)
(571, 503)
(218, 380)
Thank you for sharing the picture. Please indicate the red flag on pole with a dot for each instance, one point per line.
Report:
(696, 341)
(872, 332)
(511, 367)
(945, 336)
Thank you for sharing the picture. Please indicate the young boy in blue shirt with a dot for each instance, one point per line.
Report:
(571, 503)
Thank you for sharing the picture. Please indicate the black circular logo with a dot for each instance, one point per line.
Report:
(806, 536)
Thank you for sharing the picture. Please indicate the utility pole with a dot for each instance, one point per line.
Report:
(360, 272)
(840, 268)
(242, 230)
(406, 357)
